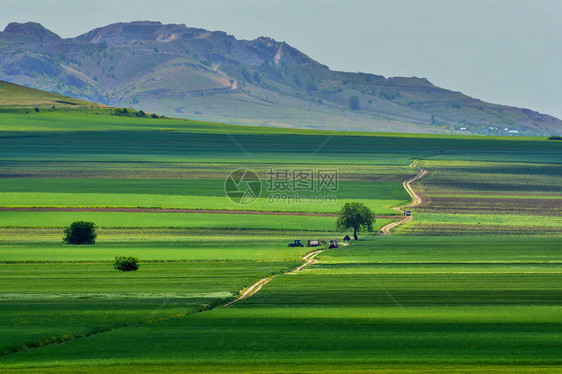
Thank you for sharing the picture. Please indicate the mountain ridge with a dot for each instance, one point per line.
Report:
(195, 73)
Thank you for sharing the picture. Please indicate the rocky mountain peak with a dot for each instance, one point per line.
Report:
(123, 33)
(32, 29)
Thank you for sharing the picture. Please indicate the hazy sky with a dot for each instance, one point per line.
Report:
(507, 52)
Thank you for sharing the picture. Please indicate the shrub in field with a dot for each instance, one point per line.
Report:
(121, 112)
(126, 263)
(356, 216)
(80, 232)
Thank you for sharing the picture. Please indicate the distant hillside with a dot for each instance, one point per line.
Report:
(195, 73)
(16, 96)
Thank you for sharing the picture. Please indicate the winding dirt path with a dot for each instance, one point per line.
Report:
(253, 289)
(310, 258)
(416, 200)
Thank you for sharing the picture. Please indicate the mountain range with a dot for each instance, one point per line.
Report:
(188, 72)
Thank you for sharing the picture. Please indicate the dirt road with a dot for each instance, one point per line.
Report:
(416, 200)
(310, 258)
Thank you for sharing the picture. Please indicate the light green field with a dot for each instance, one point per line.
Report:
(14, 96)
(238, 249)
(38, 199)
(155, 235)
(487, 219)
(450, 250)
(191, 220)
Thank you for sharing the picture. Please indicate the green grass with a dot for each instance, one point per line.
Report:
(43, 301)
(488, 219)
(449, 249)
(327, 335)
(366, 286)
(14, 96)
(500, 178)
(97, 119)
(188, 194)
(424, 268)
(192, 187)
(190, 220)
(371, 302)
(168, 171)
(156, 280)
(282, 204)
(297, 368)
(157, 235)
(210, 249)
(90, 137)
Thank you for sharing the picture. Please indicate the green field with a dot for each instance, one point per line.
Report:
(193, 220)
(472, 283)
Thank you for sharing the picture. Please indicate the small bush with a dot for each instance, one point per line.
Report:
(555, 137)
(124, 112)
(126, 263)
(121, 112)
(80, 232)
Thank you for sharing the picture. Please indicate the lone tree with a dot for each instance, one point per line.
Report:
(355, 216)
(80, 232)
(126, 263)
(354, 103)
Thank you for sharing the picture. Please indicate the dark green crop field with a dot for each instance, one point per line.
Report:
(473, 283)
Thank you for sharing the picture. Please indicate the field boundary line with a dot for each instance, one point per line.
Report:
(172, 210)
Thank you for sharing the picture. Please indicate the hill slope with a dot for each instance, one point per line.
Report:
(195, 73)
(16, 96)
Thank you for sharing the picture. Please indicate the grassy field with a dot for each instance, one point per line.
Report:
(156, 245)
(351, 310)
(471, 284)
(192, 220)
(16, 97)
(43, 302)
